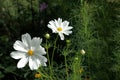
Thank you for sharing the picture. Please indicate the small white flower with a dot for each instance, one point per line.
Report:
(60, 27)
(29, 51)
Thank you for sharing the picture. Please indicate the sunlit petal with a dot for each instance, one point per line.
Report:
(61, 36)
(22, 62)
(26, 39)
(17, 54)
(18, 45)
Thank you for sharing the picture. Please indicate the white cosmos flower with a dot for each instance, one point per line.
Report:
(60, 27)
(29, 51)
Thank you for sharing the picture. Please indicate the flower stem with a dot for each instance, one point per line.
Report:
(66, 66)
(54, 51)
(74, 76)
(51, 73)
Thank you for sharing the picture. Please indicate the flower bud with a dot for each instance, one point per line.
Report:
(37, 75)
(47, 36)
(3, 9)
(81, 70)
(68, 41)
(82, 52)
(76, 58)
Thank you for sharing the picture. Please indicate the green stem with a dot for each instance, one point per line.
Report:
(66, 67)
(74, 72)
(54, 50)
(44, 76)
(51, 73)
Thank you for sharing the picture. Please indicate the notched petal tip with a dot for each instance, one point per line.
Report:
(59, 19)
(26, 35)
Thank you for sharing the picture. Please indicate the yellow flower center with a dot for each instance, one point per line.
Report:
(30, 52)
(59, 29)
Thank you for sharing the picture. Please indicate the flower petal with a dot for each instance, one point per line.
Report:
(52, 26)
(42, 60)
(65, 23)
(39, 50)
(26, 39)
(22, 62)
(35, 42)
(17, 54)
(61, 36)
(18, 45)
(67, 32)
(56, 23)
(33, 63)
(59, 22)
(68, 28)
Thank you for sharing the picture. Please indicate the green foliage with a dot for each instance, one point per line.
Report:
(96, 30)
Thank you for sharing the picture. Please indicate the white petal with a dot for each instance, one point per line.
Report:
(52, 23)
(17, 54)
(53, 29)
(59, 22)
(39, 50)
(26, 39)
(61, 36)
(22, 62)
(65, 23)
(33, 63)
(67, 32)
(18, 45)
(44, 64)
(56, 23)
(35, 42)
(52, 26)
(42, 60)
(68, 28)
